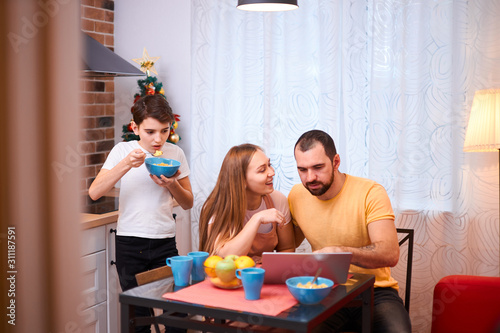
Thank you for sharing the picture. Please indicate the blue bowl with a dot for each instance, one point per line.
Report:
(305, 295)
(158, 170)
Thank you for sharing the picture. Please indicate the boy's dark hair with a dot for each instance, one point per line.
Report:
(154, 106)
(309, 139)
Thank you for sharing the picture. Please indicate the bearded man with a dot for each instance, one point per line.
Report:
(337, 212)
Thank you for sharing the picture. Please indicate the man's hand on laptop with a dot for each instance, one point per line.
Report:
(330, 249)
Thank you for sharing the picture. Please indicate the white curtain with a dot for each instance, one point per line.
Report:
(391, 81)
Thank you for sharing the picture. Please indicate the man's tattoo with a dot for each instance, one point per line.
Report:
(370, 247)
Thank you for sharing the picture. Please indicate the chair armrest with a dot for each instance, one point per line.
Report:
(466, 303)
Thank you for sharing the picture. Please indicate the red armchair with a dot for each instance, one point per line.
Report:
(466, 303)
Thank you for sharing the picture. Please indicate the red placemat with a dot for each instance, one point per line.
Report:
(274, 298)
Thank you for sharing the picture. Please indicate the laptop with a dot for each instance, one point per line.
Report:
(280, 266)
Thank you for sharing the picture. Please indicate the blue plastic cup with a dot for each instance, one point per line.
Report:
(252, 279)
(198, 271)
(181, 269)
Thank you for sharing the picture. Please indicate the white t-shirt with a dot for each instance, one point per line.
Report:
(145, 208)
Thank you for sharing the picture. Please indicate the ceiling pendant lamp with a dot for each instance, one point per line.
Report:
(267, 5)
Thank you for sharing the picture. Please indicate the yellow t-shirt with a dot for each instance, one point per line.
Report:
(343, 220)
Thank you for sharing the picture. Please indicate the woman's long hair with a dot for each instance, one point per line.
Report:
(227, 204)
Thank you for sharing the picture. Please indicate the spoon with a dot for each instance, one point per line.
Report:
(318, 272)
(157, 153)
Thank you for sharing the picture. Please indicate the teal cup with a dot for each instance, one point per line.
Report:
(252, 279)
(198, 271)
(181, 269)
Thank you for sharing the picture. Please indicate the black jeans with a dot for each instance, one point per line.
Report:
(136, 255)
(389, 316)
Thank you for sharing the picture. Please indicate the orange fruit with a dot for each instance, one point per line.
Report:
(244, 262)
(210, 264)
(236, 283)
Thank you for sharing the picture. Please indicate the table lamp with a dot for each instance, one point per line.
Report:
(483, 130)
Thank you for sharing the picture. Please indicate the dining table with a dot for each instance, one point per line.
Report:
(202, 306)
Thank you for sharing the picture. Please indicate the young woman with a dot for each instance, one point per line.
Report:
(244, 215)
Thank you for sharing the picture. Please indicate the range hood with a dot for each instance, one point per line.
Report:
(99, 61)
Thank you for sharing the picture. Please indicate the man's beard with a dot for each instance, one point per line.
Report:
(320, 190)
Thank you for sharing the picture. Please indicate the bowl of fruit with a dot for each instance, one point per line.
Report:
(222, 271)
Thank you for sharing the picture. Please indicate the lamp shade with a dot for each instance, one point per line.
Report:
(483, 131)
(267, 5)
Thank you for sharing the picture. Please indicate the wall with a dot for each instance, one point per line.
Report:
(163, 27)
(97, 94)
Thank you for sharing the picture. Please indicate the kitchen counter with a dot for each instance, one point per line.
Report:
(91, 220)
(95, 220)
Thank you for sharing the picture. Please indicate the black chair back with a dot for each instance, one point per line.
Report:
(407, 238)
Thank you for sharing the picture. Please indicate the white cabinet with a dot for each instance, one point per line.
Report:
(95, 319)
(100, 308)
(101, 287)
(114, 288)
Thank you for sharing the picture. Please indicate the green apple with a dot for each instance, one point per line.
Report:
(225, 269)
(232, 257)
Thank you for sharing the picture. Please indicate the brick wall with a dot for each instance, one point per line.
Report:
(98, 108)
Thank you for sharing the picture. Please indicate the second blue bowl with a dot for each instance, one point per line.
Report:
(306, 295)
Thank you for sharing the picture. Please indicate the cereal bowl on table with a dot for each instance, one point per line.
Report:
(299, 288)
(162, 166)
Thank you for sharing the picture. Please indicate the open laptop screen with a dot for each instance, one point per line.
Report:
(280, 266)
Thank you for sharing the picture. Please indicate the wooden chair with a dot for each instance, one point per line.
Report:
(151, 276)
(409, 263)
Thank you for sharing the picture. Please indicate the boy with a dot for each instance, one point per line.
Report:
(146, 227)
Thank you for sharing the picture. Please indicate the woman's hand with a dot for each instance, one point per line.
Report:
(242, 242)
(271, 215)
(136, 158)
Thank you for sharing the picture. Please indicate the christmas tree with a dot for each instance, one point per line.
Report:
(149, 86)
